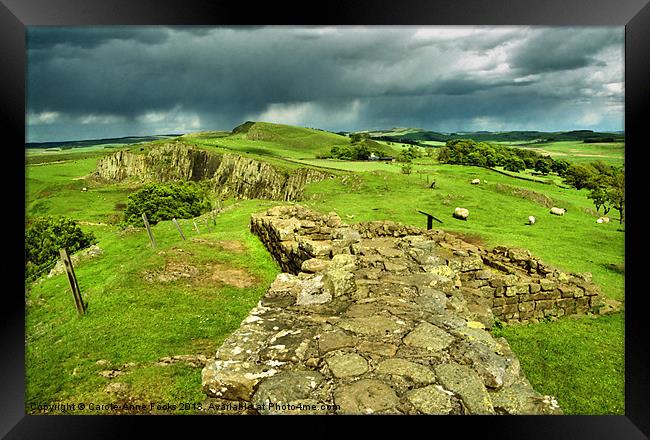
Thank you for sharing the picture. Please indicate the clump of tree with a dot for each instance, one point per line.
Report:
(360, 149)
(484, 154)
(358, 137)
(409, 154)
(595, 140)
(407, 168)
(45, 236)
(606, 185)
(164, 201)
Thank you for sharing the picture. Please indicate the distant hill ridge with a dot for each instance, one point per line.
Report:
(400, 134)
(306, 138)
(90, 142)
(289, 135)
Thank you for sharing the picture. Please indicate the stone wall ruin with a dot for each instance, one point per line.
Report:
(383, 318)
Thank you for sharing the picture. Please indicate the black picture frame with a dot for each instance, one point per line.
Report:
(16, 15)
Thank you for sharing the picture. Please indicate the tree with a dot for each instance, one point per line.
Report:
(514, 164)
(164, 201)
(45, 236)
(358, 137)
(529, 162)
(444, 155)
(408, 154)
(361, 152)
(476, 158)
(616, 192)
(578, 176)
(543, 166)
(407, 168)
(600, 198)
(560, 166)
(602, 168)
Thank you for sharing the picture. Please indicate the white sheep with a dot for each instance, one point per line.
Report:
(603, 220)
(461, 213)
(476, 181)
(531, 219)
(558, 211)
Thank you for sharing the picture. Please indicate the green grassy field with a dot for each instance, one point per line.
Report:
(140, 310)
(612, 153)
(273, 140)
(134, 318)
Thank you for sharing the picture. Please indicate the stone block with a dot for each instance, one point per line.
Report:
(466, 383)
(543, 305)
(554, 294)
(525, 298)
(347, 365)
(510, 280)
(487, 291)
(471, 263)
(578, 292)
(546, 284)
(432, 400)
(418, 373)
(367, 396)
(497, 282)
(527, 306)
(525, 315)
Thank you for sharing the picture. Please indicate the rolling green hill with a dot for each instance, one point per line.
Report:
(514, 137)
(186, 297)
(264, 140)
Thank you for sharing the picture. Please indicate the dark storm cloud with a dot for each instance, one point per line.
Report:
(565, 49)
(137, 80)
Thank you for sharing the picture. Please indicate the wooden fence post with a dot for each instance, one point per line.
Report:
(430, 219)
(196, 227)
(146, 225)
(72, 279)
(179, 228)
(207, 224)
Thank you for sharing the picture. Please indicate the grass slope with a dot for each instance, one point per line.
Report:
(132, 320)
(265, 140)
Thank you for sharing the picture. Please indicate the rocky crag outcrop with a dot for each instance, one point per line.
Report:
(383, 318)
(232, 175)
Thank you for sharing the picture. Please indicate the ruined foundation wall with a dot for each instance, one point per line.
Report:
(374, 318)
(514, 284)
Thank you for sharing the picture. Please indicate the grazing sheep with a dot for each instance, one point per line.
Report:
(461, 213)
(476, 181)
(531, 219)
(558, 211)
(84, 189)
(603, 220)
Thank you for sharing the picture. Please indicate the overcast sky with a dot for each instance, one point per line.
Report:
(113, 81)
